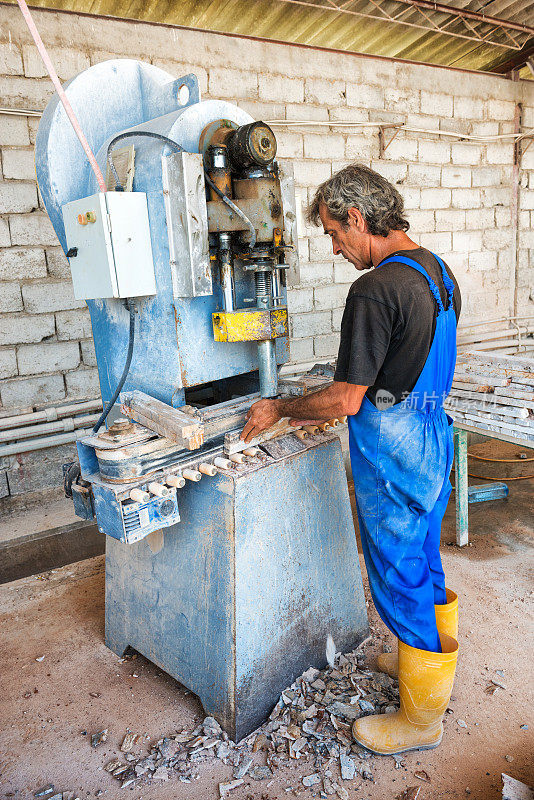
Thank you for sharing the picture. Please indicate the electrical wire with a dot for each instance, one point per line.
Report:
(494, 478)
(501, 460)
(294, 123)
(131, 338)
(128, 135)
(234, 208)
(61, 93)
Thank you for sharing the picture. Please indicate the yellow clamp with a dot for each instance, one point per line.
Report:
(250, 325)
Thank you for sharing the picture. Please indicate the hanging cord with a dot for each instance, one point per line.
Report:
(128, 135)
(103, 416)
(61, 93)
(234, 208)
(501, 461)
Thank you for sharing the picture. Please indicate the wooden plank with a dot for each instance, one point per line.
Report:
(182, 429)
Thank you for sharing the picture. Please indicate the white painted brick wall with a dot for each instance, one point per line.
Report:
(457, 194)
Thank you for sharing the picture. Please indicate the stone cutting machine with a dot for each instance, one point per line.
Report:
(226, 564)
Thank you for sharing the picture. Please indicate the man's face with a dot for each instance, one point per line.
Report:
(352, 242)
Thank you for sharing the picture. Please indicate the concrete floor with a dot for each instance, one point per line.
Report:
(48, 708)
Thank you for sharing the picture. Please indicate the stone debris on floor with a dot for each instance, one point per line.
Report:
(310, 723)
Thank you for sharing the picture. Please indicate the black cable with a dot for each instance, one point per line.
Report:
(127, 135)
(103, 416)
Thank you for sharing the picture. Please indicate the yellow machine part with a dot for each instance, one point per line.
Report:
(250, 325)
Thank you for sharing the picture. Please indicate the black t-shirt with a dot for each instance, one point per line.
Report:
(389, 323)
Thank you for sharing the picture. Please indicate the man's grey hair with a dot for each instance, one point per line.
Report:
(357, 186)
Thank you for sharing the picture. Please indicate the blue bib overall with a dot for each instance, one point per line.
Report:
(401, 459)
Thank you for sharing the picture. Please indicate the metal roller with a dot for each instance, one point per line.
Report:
(192, 475)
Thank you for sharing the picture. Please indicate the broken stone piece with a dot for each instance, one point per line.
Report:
(99, 738)
(260, 773)
(224, 788)
(112, 765)
(411, 793)
(311, 780)
(348, 767)
(129, 741)
(44, 790)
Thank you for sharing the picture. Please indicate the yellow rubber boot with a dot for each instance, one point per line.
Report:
(425, 686)
(447, 622)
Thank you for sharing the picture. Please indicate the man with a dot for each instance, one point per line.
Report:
(395, 366)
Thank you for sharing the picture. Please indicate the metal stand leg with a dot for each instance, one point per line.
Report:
(462, 496)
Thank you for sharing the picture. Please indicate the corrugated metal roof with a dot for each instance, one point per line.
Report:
(360, 25)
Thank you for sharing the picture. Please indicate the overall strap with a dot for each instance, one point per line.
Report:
(410, 262)
(447, 282)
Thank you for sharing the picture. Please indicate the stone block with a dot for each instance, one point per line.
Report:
(361, 96)
(328, 297)
(39, 470)
(10, 297)
(468, 107)
(453, 177)
(344, 272)
(427, 175)
(50, 296)
(487, 259)
(313, 324)
(434, 152)
(402, 101)
(17, 197)
(422, 221)
(75, 324)
(486, 176)
(435, 198)
(500, 153)
(13, 131)
(10, 59)
(362, 148)
(502, 110)
(323, 92)
(34, 391)
(68, 62)
(8, 363)
(466, 198)
(47, 357)
(300, 111)
(321, 248)
(32, 229)
(498, 238)
(301, 350)
(496, 196)
(23, 92)
(439, 105)
(527, 199)
(281, 88)
(318, 145)
(479, 219)
(503, 218)
(300, 300)
(311, 173)
(5, 238)
(326, 346)
(289, 144)
(436, 242)
(18, 163)
(232, 83)
(464, 241)
(22, 328)
(82, 384)
(337, 315)
(402, 149)
(316, 273)
(394, 173)
(88, 353)
(450, 219)
(464, 153)
(57, 263)
(412, 196)
(23, 263)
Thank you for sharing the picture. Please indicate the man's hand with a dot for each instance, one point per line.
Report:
(260, 416)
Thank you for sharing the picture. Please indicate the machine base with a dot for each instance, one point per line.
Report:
(238, 599)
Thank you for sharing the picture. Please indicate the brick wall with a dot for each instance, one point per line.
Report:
(458, 194)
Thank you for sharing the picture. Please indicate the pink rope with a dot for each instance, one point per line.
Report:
(62, 96)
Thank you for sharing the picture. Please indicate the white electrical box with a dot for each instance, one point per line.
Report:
(108, 238)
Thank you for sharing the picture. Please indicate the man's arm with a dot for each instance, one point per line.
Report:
(337, 400)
